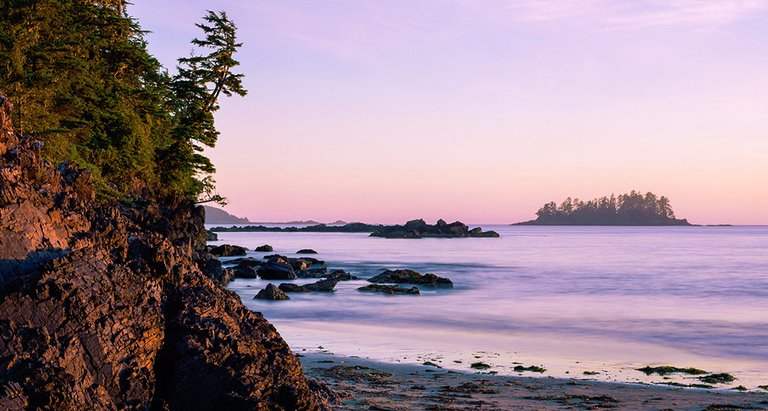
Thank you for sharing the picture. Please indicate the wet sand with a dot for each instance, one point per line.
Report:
(364, 384)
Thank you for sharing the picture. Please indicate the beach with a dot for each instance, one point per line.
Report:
(364, 384)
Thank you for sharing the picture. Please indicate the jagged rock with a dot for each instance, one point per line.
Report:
(389, 289)
(306, 251)
(276, 271)
(211, 236)
(210, 265)
(245, 272)
(227, 250)
(410, 277)
(271, 293)
(124, 319)
(264, 248)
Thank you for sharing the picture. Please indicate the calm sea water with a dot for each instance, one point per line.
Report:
(571, 299)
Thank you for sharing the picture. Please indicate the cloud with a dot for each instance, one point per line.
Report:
(637, 14)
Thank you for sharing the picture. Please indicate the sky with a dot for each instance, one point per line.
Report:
(483, 110)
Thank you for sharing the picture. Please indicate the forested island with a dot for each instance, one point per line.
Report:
(633, 209)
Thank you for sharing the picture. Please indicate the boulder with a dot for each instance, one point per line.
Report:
(211, 236)
(264, 248)
(292, 288)
(227, 250)
(245, 272)
(306, 251)
(410, 277)
(276, 271)
(340, 275)
(246, 262)
(271, 293)
(313, 272)
(324, 286)
(388, 289)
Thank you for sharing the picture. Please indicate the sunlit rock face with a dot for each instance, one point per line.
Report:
(102, 306)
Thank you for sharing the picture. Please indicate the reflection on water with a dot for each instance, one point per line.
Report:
(614, 296)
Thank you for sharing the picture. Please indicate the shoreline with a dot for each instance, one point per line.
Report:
(362, 383)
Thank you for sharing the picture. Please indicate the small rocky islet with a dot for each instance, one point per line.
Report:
(413, 229)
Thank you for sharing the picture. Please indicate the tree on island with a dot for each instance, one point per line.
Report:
(634, 208)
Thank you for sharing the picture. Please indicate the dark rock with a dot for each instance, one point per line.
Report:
(265, 248)
(325, 286)
(246, 262)
(410, 277)
(420, 229)
(341, 275)
(125, 318)
(276, 271)
(211, 266)
(292, 288)
(245, 272)
(226, 250)
(388, 289)
(271, 293)
(313, 272)
(211, 236)
(306, 251)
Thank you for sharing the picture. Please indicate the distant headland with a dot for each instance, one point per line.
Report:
(633, 209)
(412, 229)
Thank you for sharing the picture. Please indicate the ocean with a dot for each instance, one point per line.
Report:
(604, 300)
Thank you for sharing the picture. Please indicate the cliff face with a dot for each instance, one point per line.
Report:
(104, 307)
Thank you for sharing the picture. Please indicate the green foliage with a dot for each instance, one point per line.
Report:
(83, 82)
(627, 209)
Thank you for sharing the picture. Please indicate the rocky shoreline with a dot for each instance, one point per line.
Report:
(104, 305)
(413, 229)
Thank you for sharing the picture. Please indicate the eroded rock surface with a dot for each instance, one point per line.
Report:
(105, 307)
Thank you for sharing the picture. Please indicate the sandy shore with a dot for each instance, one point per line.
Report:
(364, 384)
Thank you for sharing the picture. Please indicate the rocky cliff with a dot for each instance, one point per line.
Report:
(103, 307)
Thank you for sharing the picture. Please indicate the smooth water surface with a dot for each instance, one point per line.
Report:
(571, 299)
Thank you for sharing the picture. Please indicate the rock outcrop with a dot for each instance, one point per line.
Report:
(420, 229)
(410, 277)
(104, 306)
(389, 289)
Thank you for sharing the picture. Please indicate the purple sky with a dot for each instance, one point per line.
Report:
(483, 110)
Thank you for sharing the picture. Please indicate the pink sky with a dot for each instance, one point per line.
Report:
(383, 111)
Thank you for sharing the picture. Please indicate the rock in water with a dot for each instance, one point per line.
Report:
(292, 288)
(273, 270)
(271, 293)
(325, 286)
(226, 250)
(306, 251)
(211, 236)
(104, 307)
(265, 248)
(388, 289)
(410, 277)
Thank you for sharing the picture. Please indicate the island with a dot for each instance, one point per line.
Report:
(633, 209)
(412, 229)
(214, 215)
